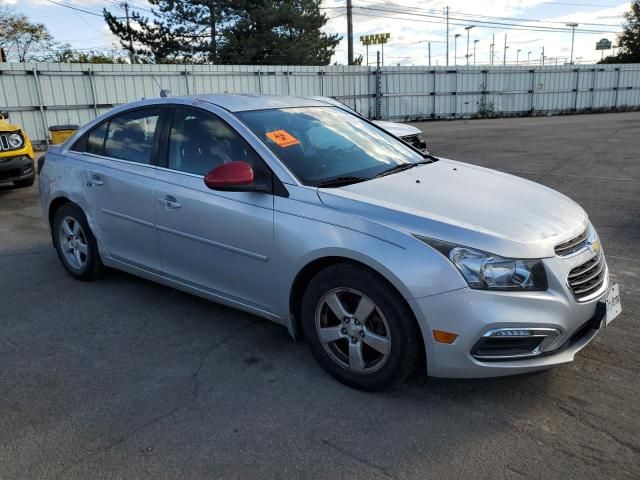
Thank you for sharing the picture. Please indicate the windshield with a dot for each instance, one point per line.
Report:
(320, 144)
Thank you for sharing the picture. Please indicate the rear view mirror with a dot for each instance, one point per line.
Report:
(233, 176)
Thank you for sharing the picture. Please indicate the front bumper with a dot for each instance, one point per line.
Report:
(471, 314)
(19, 167)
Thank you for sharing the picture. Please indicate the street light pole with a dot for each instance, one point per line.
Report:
(493, 47)
(528, 56)
(518, 56)
(455, 48)
(468, 28)
(573, 34)
(475, 42)
(504, 60)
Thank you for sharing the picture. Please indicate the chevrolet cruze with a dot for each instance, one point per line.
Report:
(310, 216)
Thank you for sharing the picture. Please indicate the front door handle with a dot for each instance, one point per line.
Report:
(170, 202)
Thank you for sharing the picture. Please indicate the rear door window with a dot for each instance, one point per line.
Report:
(130, 136)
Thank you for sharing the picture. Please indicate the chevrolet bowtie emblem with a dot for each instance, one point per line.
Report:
(595, 246)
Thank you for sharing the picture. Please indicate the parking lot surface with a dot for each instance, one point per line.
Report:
(123, 378)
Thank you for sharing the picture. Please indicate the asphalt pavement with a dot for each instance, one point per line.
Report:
(122, 378)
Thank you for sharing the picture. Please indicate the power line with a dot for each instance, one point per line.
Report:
(75, 8)
(492, 25)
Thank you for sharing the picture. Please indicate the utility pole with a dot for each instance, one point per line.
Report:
(518, 56)
(349, 32)
(447, 10)
(573, 34)
(504, 60)
(528, 57)
(429, 47)
(468, 29)
(542, 57)
(132, 57)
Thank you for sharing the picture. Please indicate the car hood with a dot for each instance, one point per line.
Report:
(5, 126)
(398, 129)
(466, 205)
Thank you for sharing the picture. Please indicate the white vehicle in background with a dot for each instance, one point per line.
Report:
(405, 132)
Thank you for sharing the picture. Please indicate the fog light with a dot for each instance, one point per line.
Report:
(512, 333)
(444, 337)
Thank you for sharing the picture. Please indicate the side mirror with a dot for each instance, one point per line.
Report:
(233, 176)
(4, 114)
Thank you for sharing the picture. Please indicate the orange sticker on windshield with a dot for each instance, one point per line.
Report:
(283, 138)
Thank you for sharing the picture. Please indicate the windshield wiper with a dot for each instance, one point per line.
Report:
(341, 181)
(402, 166)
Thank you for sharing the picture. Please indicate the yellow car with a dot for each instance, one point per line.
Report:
(16, 155)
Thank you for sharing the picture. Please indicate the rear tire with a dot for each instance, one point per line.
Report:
(359, 328)
(76, 246)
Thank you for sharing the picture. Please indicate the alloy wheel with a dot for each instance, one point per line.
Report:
(73, 243)
(353, 330)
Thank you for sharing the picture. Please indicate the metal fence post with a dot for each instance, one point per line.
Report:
(41, 106)
(533, 89)
(259, 73)
(593, 88)
(615, 102)
(186, 78)
(321, 73)
(93, 92)
(378, 109)
(435, 95)
(575, 99)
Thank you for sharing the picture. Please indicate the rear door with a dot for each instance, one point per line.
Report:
(220, 242)
(119, 182)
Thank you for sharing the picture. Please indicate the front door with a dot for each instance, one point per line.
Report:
(221, 242)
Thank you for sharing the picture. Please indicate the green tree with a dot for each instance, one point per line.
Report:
(629, 39)
(178, 31)
(277, 32)
(227, 31)
(23, 40)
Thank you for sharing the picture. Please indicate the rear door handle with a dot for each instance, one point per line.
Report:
(170, 202)
(95, 181)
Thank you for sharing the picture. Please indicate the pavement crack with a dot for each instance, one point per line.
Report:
(379, 470)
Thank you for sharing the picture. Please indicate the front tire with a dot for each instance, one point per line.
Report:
(76, 246)
(359, 328)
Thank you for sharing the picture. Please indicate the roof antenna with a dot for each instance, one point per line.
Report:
(164, 92)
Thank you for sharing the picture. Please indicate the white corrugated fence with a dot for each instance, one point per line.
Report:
(44, 94)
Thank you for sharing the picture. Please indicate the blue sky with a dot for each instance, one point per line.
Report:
(409, 31)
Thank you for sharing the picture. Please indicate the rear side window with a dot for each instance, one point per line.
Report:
(130, 135)
(95, 139)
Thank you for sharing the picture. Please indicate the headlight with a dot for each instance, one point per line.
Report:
(484, 270)
(15, 140)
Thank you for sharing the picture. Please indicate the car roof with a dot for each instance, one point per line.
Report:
(235, 102)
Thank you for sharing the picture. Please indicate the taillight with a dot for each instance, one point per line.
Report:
(40, 164)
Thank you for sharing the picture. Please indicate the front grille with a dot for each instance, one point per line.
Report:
(4, 143)
(414, 141)
(588, 278)
(572, 245)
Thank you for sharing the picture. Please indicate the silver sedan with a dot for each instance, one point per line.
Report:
(378, 254)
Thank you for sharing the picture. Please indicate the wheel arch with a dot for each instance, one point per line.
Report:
(313, 267)
(55, 205)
